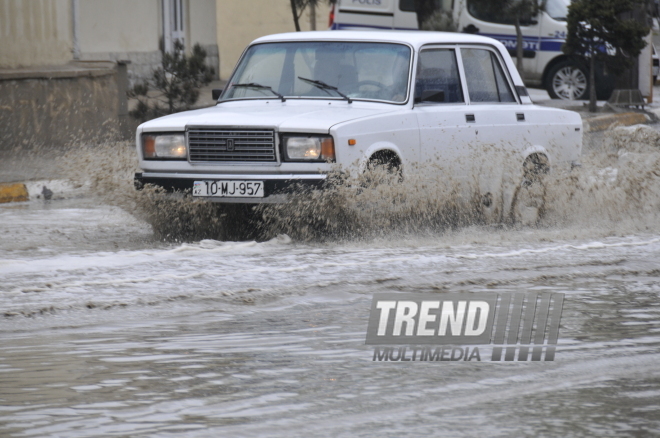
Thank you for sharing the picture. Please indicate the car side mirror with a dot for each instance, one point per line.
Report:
(216, 92)
(437, 96)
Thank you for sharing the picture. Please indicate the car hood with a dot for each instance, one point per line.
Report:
(289, 116)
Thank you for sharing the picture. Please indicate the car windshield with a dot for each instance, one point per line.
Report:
(341, 70)
(557, 9)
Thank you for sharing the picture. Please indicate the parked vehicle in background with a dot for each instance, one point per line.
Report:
(373, 14)
(544, 64)
(431, 105)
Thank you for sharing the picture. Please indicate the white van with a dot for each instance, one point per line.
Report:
(544, 64)
(373, 14)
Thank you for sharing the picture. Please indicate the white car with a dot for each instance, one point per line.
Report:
(298, 106)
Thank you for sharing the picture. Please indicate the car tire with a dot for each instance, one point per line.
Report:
(528, 205)
(568, 80)
(383, 169)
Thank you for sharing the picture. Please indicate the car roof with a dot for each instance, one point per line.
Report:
(415, 38)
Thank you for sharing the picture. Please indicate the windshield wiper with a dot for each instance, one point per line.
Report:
(323, 86)
(260, 87)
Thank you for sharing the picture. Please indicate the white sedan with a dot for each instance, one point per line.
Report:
(299, 106)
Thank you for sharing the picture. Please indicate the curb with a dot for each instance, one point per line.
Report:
(13, 193)
(602, 123)
(46, 189)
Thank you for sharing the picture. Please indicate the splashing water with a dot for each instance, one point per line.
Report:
(616, 191)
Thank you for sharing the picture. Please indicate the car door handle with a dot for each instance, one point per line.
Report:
(520, 117)
(469, 118)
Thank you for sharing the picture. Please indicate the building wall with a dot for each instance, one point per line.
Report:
(201, 23)
(121, 30)
(202, 29)
(239, 22)
(119, 26)
(35, 33)
(75, 106)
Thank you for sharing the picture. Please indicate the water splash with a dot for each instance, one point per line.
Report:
(616, 191)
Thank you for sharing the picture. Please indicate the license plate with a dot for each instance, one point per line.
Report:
(229, 189)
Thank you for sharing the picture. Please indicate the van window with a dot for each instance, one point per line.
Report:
(492, 12)
(485, 78)
(407, 5)
(437, 75)
(557, 9)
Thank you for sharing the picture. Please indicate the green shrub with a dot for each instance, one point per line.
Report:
(174, 86)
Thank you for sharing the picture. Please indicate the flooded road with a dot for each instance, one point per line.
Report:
(109, 331)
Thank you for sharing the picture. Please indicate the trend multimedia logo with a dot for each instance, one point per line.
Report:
(453, 327)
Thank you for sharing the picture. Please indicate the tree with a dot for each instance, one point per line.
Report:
(440, 20)
(424, 10)
(299, 6)
(174, 86)
(597, 33)
(522, 11)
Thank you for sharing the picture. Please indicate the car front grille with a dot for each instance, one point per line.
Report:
(206, 145)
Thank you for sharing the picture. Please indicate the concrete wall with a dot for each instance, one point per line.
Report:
(35, 32)
(59, 107)
(239, 22)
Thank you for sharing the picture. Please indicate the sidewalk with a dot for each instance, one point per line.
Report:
(605, 118)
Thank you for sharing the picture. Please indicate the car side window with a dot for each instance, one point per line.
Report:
(485, 78)
(437, 78)
(407, 5)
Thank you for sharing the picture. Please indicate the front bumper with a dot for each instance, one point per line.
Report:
(276, 187)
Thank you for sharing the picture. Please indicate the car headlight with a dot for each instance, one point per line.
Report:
(309, 148)
(164, 147)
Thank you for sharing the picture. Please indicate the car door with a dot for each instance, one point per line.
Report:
(503, 132)
(442, 113)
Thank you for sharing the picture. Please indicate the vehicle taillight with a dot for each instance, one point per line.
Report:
(331, 16)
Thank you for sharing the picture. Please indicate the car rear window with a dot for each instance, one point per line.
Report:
(485, 78)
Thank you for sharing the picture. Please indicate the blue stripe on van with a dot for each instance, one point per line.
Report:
(551, 45)
(543, 44)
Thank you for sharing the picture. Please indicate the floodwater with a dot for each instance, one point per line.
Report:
(109, 328)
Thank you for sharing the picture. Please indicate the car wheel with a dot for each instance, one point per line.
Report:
(383, 168)
(528, 205)
(569, 81)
